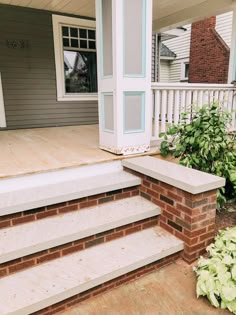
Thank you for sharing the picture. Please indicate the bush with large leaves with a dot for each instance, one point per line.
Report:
(203, 143)
(216, 275)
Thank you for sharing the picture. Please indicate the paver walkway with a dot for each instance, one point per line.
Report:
(169, 291)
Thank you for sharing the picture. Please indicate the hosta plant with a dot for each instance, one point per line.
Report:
(216, 275)
(203, 143)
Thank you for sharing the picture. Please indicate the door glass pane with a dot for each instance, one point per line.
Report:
(80, 69)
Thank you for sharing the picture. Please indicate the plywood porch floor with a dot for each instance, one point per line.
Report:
(43, 149)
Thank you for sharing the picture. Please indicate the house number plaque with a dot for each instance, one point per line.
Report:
(17, 43)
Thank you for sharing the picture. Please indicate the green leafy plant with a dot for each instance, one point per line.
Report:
(203, 143)
(216, 275)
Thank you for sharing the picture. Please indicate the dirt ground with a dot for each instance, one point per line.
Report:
(226, 218)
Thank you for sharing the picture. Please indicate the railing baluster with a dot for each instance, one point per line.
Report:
(200, 99)
(170, 106)
(176, 107)
(216, 97)
(163, 110)
(195, 97)
(221, 98)
(230, 101)
(183, 101)
(157, 113)
(189, 104)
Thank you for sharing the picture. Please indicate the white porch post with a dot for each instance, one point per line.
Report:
(232, 62)
(124, 39)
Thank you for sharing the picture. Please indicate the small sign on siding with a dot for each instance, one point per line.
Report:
(17, 43)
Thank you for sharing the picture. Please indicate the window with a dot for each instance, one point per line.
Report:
(75, 58)
(184, 70)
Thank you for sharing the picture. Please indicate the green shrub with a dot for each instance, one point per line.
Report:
(204, 144)
(216, 275)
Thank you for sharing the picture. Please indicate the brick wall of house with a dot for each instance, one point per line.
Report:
(209, 54)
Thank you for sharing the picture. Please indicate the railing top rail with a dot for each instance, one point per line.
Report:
(191, 86)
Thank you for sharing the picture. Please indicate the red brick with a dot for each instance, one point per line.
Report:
(174, 196)
(159, 203)
(158, 189)
(21, 266)
(133, 230)
(194, 233)
(114, 236)
(57, 205)
(123, 195)
(173, 210)
(5, 224)
(210, 67)
(72, 249)
(86, 204)
(153, 193)
(48, 257)
(167, 214)
(27, 218)
(68, 208)
(150, 224)
(167, 227)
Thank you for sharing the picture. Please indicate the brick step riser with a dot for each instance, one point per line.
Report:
(66, 207)
(41, 257)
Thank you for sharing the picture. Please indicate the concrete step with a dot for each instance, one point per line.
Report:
(33, 191)
(36, 236)
(44, 285)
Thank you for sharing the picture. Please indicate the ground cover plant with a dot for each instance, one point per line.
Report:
(216, 275)
(201, 141)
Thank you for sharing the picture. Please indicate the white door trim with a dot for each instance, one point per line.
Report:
(3, 123)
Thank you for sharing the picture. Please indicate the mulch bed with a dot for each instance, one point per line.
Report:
(226, 218)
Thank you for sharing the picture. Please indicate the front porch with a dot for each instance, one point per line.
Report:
(28, 151)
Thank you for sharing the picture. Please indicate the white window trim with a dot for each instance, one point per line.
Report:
(57, 22)
(183, 63)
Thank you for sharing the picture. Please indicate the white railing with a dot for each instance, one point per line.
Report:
(171, 99)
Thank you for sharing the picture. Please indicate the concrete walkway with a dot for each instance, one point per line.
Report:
(170, 291)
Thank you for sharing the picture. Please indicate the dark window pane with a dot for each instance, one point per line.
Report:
(92, 45)
(83, 44)
(74, 43)
(65, 31)
(82, 33)
(186, 70)
(66, 42)
(73, 32)
(91, 34)
(80, 71)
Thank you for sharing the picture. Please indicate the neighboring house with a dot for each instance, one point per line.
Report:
(191, 59)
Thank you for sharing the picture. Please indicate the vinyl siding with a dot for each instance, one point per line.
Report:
(28, 75)
(181, 44)
(181, 47)
(175, 71)
(164, 71)
(224, 23)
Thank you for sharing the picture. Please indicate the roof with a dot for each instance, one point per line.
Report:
(166, 52)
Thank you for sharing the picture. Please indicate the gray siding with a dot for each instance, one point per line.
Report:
(28, 75)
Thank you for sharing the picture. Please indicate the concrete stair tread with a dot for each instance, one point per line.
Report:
(39, 235)
(41, 286)
(38, 190)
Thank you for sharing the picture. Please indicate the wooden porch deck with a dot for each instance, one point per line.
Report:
(28, 151)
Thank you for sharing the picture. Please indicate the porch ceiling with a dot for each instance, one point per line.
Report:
(165, 12)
